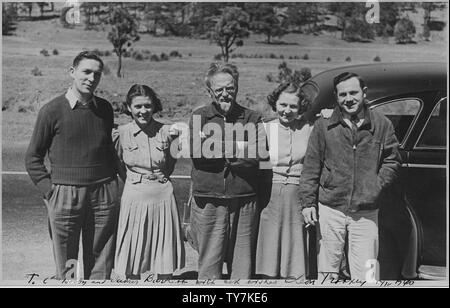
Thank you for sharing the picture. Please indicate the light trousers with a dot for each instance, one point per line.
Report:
(361, 229)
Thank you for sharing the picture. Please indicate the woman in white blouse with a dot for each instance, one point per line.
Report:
(280, 247)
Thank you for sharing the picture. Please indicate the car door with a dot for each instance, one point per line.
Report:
(396, 231)
(425, 186)
(420, 121)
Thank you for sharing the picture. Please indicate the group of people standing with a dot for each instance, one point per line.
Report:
(248, 211)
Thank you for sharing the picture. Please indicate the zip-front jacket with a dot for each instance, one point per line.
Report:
(346, 169)
(223, 176)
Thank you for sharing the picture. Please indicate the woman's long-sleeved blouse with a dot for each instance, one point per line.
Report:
(287, 148)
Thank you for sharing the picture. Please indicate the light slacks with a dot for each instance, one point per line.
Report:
(361, 228)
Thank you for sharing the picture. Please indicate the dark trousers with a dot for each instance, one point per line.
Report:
(225, 230)
(92, 211)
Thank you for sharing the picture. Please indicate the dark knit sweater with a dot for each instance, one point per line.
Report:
(78, 143)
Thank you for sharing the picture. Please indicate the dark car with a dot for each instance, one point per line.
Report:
(413, 219)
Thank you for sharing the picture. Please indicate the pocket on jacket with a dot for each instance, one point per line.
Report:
(326, 176)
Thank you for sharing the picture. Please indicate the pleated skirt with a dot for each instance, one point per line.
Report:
(149, 237)
(280, 247)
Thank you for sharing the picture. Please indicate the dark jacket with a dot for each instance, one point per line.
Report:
(223, 176)
(346, 169)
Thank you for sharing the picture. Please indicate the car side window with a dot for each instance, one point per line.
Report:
(434, 135)
(401, 112)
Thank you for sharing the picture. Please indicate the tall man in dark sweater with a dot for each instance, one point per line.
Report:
(80, 191)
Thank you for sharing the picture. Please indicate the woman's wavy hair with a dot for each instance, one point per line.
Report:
(289, 87)
(142, 90)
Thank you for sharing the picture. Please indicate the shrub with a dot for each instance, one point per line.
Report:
(358, 31)
(348, 59)
(305, 73)
(55, 52)
(107, 53)
(284, 72)
(272, 56)
(175, 53)
(154, 58)
(136, 55)
(36, 71)
(218, 57)
(328, 59)
(190, 55)
(22, 109)
(281, 57)
(164, 57)
(44, 52)
(305, 56)
(377, 59)
(404, 31)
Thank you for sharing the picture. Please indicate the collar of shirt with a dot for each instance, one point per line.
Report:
(73, 99)
(364, 118)
(151, 128)
(236, 113)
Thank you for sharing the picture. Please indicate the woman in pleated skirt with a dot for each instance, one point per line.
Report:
(149, 236)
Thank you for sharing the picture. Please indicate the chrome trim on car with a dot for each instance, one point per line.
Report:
(424, 166)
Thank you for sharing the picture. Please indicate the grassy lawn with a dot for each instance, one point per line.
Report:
(178, 81)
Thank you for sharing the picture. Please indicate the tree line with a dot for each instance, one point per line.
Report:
(227, 24)
(198, 19)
